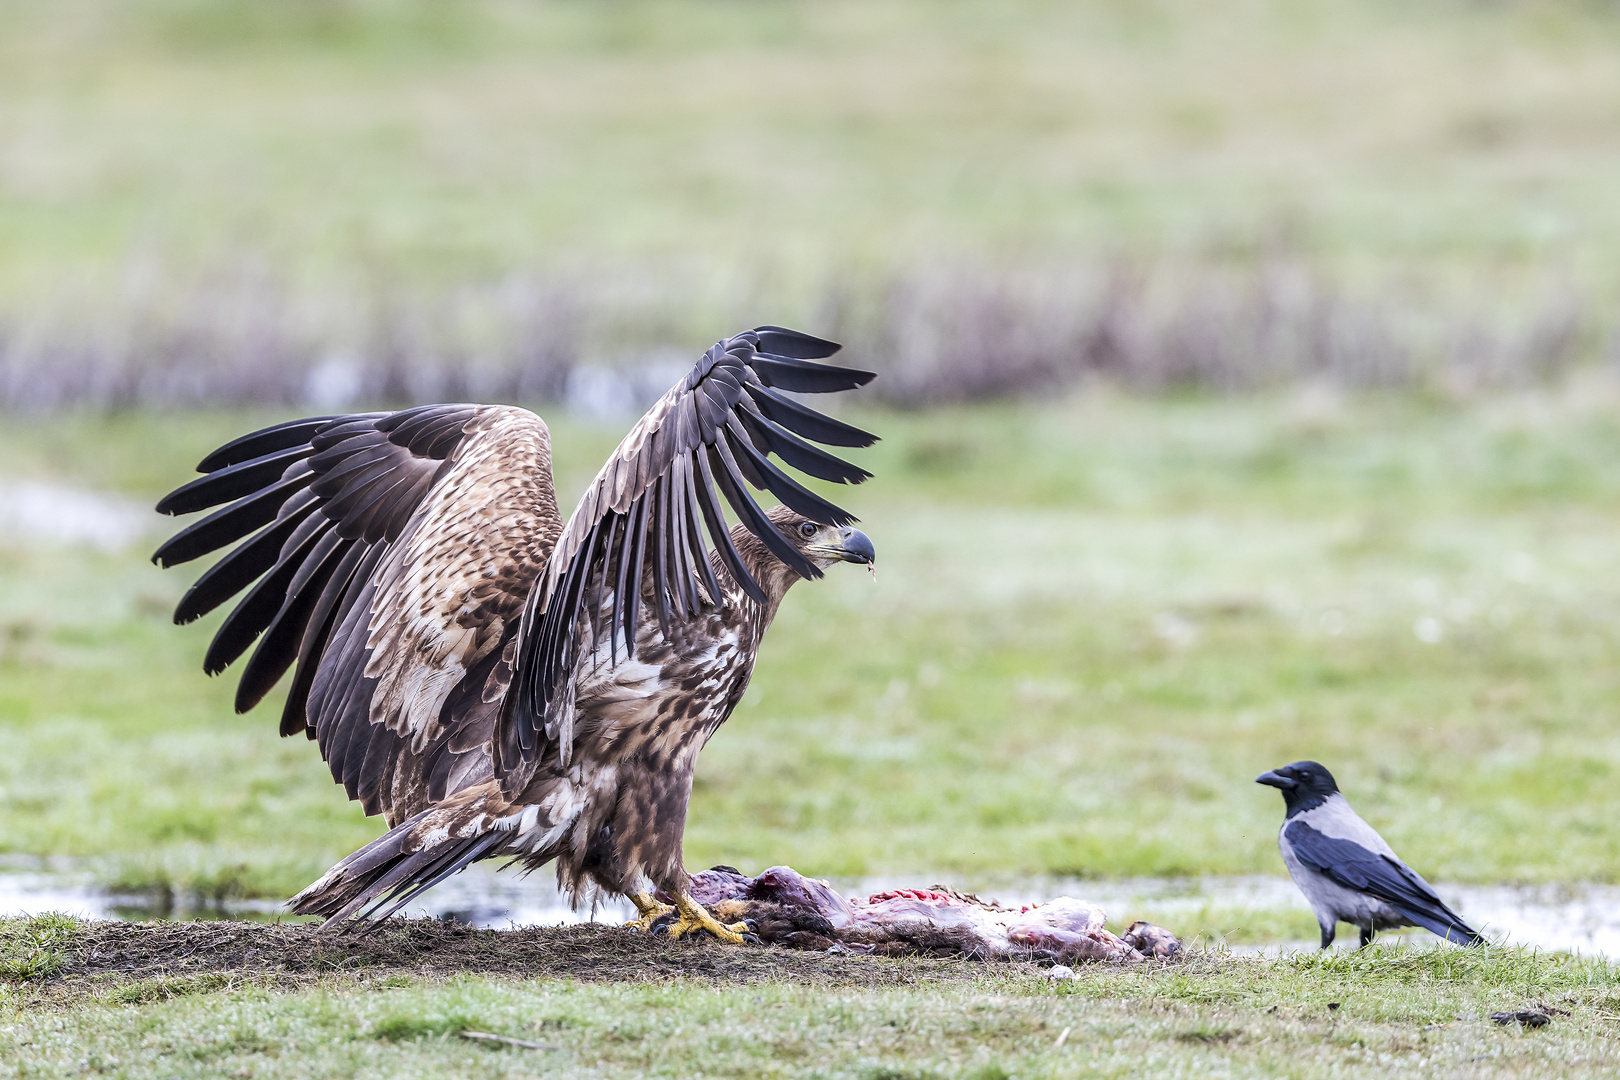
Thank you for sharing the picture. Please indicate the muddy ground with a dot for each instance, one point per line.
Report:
(181, 957)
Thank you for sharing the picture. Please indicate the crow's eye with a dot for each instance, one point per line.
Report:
(807, 529)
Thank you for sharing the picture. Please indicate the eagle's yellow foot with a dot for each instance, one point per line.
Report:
(695, 919)
(651, 910)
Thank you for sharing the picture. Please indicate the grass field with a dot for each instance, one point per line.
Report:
(1095, 621)
(1097, 616)
(1380, 1012)
(416, 138)
(190, 185)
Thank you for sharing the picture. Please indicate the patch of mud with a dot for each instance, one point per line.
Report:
(115, 953)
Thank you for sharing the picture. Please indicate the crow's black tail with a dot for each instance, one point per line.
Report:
(401, 864)
(1442, 921)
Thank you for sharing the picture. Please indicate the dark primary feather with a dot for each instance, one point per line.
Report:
(256, 610)
(806, 421)
(229, 576)
(264, 441)
(230, 482)
(1349, 864)
(804, 377)
(784, 342)
(771, 436)
(764, 474)
(309, 500)
(278, 646)
(714, 520)
(704, 444)
(318, 630)
(245, 515)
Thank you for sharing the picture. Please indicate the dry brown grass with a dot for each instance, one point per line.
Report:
(958, 334)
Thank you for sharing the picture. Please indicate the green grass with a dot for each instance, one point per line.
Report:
(34, 948)
(748, 153)
(1096, 620)
(1094, 623)
(1382, 1012)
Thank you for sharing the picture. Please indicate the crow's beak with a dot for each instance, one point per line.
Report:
(853, 546)
(1276, 780)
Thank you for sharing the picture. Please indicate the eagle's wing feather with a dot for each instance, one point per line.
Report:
(652, 502)
(392, 554)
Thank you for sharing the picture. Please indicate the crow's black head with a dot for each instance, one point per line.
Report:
(1304, 784)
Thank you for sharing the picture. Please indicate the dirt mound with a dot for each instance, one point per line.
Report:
(117, 952)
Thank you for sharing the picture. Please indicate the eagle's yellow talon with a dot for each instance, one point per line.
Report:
(651, 910)
(647, 920)
(695, 919)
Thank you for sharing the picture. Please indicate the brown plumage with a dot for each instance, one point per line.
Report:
(490, 680)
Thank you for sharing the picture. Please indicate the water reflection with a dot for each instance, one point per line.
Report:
(51, 513)
(1565, 918)
(1576, 918)
(479, 896)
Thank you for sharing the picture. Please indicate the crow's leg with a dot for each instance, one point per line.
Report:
(695, 919)
(1328, 933)
(651, 910)
(1366, 937)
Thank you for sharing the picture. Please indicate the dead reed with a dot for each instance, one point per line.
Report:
(945, 334)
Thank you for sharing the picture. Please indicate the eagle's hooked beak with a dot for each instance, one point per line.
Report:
(853, 546)
(1276, 780)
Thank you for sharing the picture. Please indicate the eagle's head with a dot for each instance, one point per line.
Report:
(823, 545)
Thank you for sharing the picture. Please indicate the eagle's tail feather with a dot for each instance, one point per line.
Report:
(397, 867)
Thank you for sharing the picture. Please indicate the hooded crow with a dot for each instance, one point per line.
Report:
(1345, 869)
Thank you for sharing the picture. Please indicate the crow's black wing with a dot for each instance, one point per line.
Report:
(1347, 863)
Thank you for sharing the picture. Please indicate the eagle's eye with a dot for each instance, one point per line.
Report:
(807, 529)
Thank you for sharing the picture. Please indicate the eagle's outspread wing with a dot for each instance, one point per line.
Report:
(448, 628)
(393, 554)
(655, 500)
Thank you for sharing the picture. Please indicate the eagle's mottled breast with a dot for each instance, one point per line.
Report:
(641, 723)
(661, 706)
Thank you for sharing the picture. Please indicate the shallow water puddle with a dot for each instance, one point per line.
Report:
(52, 513)
(1573, 918)
(1576, 918)
(478, 895)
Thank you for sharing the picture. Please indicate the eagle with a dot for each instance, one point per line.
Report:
(496, 682)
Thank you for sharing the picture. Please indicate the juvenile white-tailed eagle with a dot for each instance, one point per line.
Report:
(493, 681)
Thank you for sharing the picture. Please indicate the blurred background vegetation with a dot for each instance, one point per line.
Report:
(1246, 394)
(219, 200)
